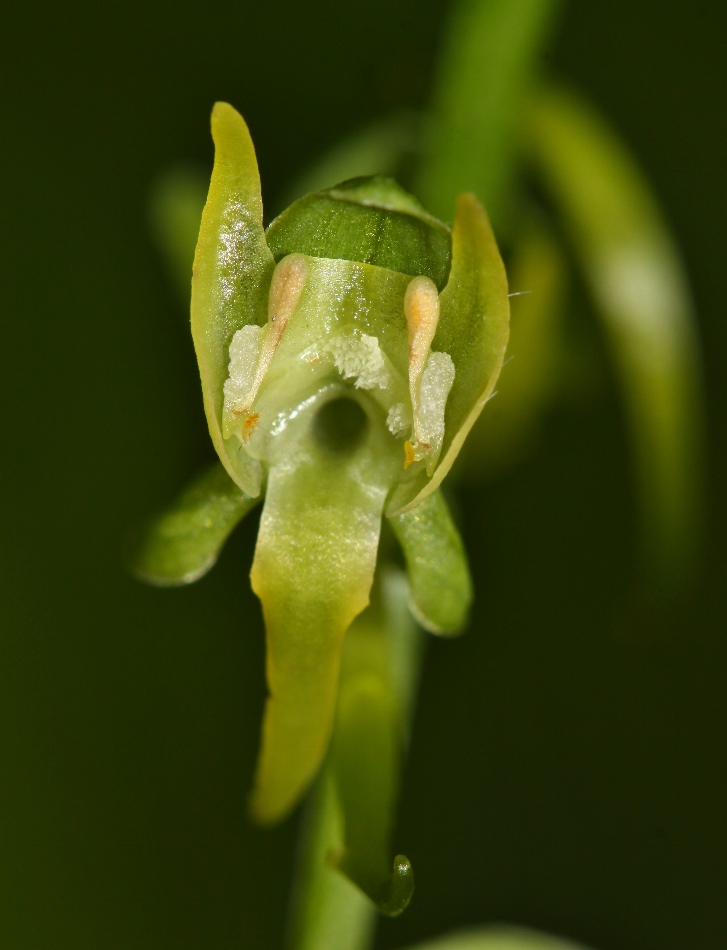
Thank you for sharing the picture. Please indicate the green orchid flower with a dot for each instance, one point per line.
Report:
(345, 352)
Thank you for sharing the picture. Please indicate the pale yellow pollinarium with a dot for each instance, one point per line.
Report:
(287, 285)
(430, 374)
(253, 347)
(421, 306)
(285, 289)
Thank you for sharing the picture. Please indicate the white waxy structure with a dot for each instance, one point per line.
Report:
(245, 351)
(358, 356)
(399, 418)
(434, 386)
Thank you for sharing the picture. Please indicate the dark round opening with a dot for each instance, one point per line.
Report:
(340, 425)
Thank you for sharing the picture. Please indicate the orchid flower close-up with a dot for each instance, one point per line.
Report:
(345, 352)
(363, 542)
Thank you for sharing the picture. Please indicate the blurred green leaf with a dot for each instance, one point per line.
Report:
(440, 586)
(532, 374)
(498, 938)
(380, 149)
(485, 77)
(175, 210)
(183, 544)
(636, 277)
(329, 912)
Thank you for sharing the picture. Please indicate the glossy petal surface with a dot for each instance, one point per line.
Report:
(369, 220)
(183, 544)
(313, 570)
(232, 271)
(440, 586)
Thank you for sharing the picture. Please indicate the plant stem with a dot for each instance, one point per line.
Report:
(328, 912)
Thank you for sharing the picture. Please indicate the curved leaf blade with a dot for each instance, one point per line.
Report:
(487, 67)
(637, 281)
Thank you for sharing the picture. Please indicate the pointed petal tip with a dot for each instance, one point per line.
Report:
(226, 118)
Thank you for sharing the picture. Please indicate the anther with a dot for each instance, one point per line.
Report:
(421, 307)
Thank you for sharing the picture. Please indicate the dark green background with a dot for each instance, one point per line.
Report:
(568, 764)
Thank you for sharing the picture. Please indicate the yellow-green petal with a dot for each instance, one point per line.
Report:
(181, 545)
(440, 586)
(232, 271)
(313, 570)
(329, 910)
(532, 374)
(473, 329)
